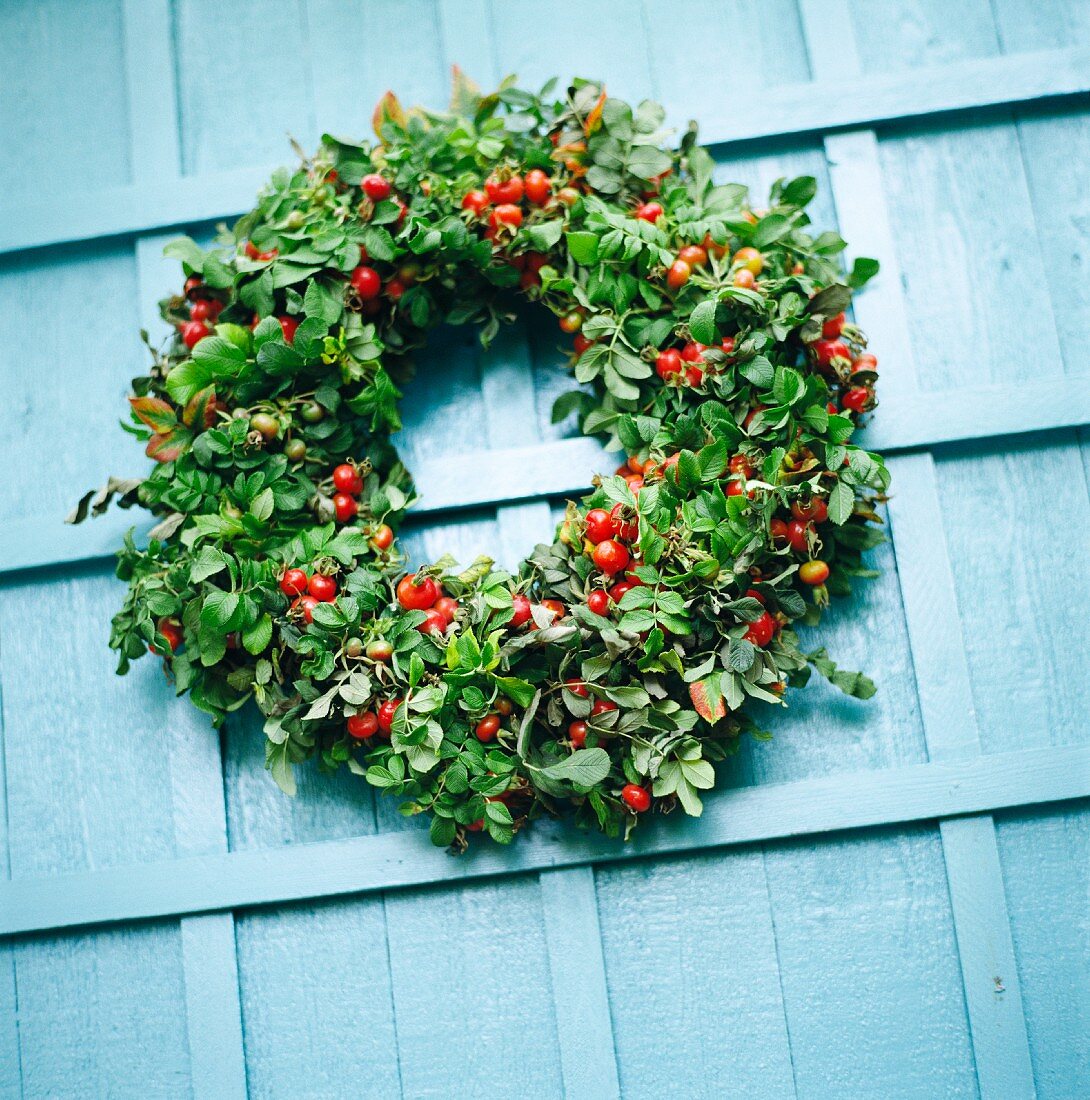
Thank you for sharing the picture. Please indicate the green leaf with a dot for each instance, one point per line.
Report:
(584, 768)
(256, 638)
(841, 503)
(702, 322)
(583, 247)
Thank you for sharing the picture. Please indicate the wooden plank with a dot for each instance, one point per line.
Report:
(212, 1010)
(977, 901)
(788, 110)
(569, 903)
(893, 796)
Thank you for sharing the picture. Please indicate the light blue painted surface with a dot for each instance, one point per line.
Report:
(764, 951)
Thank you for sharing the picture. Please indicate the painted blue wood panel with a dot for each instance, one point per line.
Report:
(847, 964)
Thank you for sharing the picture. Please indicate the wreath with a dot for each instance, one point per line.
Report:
(624, 659)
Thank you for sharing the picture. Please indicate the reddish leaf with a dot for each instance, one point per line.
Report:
(388, 109)
(167, 447)
(465, 95)
(701, 698)
(201, 408)
(155, 412)
(594, 118)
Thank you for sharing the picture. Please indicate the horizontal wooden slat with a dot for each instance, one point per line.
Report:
(565, 467)
(785, 110)
(273, 876)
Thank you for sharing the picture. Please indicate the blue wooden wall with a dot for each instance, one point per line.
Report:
(894, 900)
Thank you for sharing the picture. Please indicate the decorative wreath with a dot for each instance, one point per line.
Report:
(610, 673)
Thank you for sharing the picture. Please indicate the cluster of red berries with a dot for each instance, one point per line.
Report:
(369, 722)
(203, 311)
(856, 373)
(307, 592)
(425, 594)
(348, 485)
(685, 366)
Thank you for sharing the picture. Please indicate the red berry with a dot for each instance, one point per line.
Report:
(375, 187)
(571, 322)
(307, 604)
(753, 594)
(386, 715)
(366, 282)
(193, 332)
(678, 274)
(488, 727)
(577, 687)
(322, 588)
(797, 535)
(395, 288)
(521, 607)
(637, 799)
(477, 201)
(693, 352)
(831, 329)
(577, 734)
(825, 351)
(344, 507)
(866, 361)
(813, 572)
(380, 650)
(433, 621)
(447, 607)
(616, 593)
(599, 525)
(815, 509)
(417, 597)
(347, 480)
(293, 582)
(856, 399)
(602, 706)
(694, 376)
(363, 725)
(171, 629)
(288, 325)
(504, 191)
(556, 607)
(761, 631)
(537, 186)
(598, 601)
(256, 254)
(693, 255)
(626, 531)
(611, 557)
(649, 212)
(668, 363)
(205, 309)
(505, 214)
(383, 537)
(778, 530)
(192, 283)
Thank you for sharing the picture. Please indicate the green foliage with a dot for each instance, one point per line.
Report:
(297, 371)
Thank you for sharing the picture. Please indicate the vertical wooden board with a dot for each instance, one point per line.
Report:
(361, 51)
(975, 284)
(869, 967)
(1053, 142)
(245, 82)
(1046, 867)
(89, 785)
(542, 39)
(1021, 589)
(471, 991)
(912, 34)
(66, 379)
(101, 1013)
(316, 1001)
(693, 977)
(63, 110)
